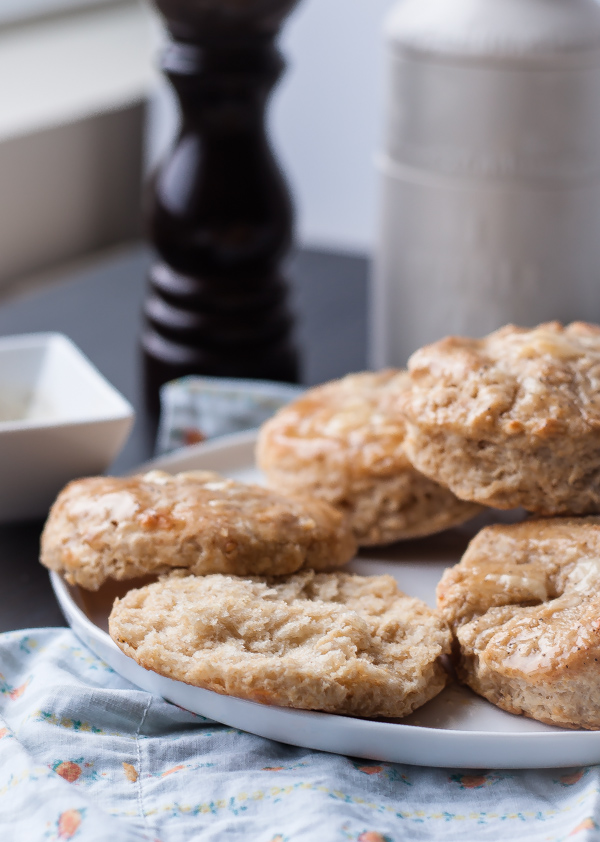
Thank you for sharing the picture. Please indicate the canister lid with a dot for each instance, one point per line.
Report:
(541, 124)
(565, 31)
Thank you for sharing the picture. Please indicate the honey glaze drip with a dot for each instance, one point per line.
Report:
(550, 639)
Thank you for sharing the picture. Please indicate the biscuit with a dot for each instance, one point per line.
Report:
(122, 527)
(524, 603)
(319, 641)
(512, 419)
(341, 443)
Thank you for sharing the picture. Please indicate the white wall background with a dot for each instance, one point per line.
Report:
(326, 119)
(73, 88)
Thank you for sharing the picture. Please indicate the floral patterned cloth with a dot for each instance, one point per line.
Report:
(86, 756)
(194, 409)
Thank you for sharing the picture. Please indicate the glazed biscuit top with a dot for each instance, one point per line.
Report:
(528, 595)
(344, 421)
(121, 527)
(524, 564)
(542, 382)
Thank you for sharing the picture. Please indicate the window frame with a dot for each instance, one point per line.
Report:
(16, 12)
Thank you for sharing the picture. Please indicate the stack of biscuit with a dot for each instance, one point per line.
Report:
(514, 420)
(249, 602)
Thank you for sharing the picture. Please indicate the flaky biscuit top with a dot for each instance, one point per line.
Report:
(542, 382)
(526, 597)
(121, 527)
(345, 422)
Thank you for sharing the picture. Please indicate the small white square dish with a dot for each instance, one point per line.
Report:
(59, 419)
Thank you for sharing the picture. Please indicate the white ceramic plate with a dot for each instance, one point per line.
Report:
(456, 729)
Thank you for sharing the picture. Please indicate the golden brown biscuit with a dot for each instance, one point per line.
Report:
(122, 527)
(318, 641)
(340, 442)
(512, 419)
(524, 604)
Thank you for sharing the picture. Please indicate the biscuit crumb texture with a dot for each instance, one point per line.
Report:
(123, 527)
(342, 443)
(320, 641)
(512, 419)
(524, 603)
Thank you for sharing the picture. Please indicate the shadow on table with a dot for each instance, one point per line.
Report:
(27, 599)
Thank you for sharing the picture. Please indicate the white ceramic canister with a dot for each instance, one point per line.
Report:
(490, 170)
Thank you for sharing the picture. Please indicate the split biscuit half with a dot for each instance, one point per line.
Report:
(319, 641)
(123, 527)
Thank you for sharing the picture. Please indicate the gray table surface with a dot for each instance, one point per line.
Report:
(99, 309)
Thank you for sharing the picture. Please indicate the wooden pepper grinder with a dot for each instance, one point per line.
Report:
(220, 216)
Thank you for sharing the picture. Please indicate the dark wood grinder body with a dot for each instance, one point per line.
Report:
(219, 212)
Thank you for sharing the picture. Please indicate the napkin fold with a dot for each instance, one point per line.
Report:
(194, 409)
(86, 756)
